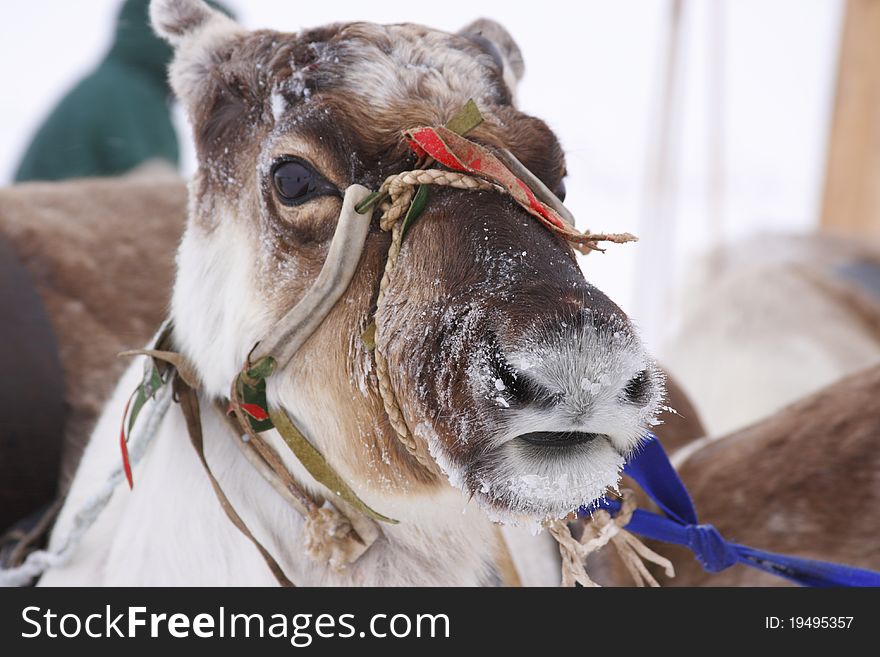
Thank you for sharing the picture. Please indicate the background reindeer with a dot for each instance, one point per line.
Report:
(99, 255)
(769, 321)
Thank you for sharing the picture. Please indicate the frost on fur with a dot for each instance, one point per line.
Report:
(490, 330)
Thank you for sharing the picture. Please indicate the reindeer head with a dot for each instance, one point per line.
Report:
(524, 382)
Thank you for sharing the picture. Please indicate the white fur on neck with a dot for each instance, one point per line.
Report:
(171, 530)
(217, 320)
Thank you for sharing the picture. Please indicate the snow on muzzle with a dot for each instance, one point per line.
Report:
(561, 402)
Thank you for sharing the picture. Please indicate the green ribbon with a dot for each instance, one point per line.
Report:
(251, 387)
(420, 200)
(465, 119)
(149, 386)
(317, 465)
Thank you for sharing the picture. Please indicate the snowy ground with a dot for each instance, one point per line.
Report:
(593, 72)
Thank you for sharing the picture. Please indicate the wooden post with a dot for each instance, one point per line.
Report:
(851, 203)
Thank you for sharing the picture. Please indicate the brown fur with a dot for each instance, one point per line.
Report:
(100, 253)
(813, 484)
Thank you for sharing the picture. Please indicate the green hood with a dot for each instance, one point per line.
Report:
(136, 45)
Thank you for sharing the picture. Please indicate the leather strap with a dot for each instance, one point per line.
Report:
(268, 464)
(189, 405)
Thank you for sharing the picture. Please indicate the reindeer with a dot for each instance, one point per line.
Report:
(524, 383)
(812, 470)
(779, 317)
(107, 290)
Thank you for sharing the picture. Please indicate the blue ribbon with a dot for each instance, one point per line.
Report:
(651, 469)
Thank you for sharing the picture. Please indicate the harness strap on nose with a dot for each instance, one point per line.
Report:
(274, 351)
(386, 387)
(398, 215)
(339, 266)
(401, 189)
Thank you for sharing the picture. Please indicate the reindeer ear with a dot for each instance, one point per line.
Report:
(176, 21)
(496, 41)
(197, 33)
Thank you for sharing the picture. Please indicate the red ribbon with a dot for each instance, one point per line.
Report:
(123, 443)
(256, 411)
(461, 154)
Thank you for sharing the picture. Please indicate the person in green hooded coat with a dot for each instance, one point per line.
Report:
(116, 118)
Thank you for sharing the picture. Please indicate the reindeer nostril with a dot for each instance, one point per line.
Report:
(638, 390)
(514, 386)
(507, 380)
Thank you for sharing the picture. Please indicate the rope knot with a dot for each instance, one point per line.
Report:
(602, 529)
(711, 550)
(328, 537)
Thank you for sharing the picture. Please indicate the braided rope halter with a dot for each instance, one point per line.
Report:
(399, 200)
(478, 169)
(401, 189)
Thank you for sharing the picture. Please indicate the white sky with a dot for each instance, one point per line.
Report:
(593, 73)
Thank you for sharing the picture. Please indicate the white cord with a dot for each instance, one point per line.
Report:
(40, 561)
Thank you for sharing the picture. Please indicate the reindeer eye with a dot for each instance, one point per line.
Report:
(293, 180)
(297, 181)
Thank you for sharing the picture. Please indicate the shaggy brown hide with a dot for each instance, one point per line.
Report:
(100, 254)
